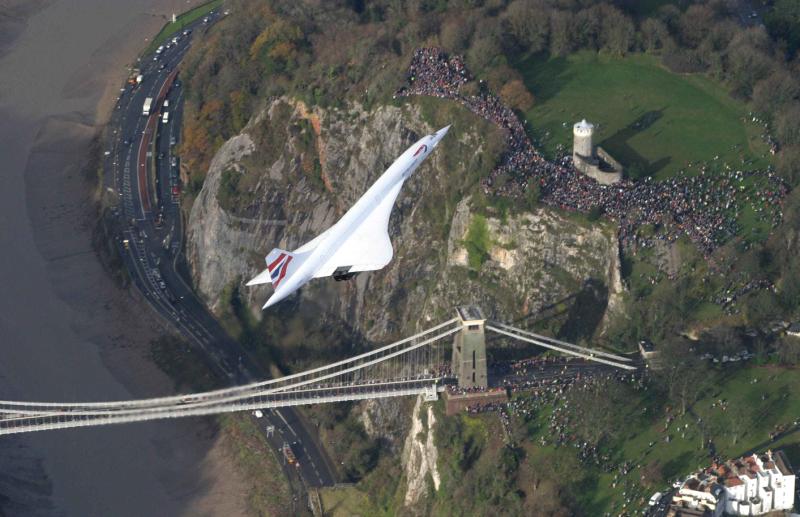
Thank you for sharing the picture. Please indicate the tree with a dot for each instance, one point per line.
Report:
(515, 94)
(774, 92)
(739, 419)
(655, 35)
(695, 23)
(670, 16)
(783, 23)
(761, 308)
(618, 32)
(680, 374)
(789, 164)
(748, 60)
(789, 350)
(483, 51)
(529, 22)
(586, 28)
(711, 50)
(787, 125)
(561, 42)
(652, 474)
(455, 34)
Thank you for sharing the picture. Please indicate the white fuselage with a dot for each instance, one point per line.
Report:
(396, 174)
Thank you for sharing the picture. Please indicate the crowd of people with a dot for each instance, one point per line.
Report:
(702, 206)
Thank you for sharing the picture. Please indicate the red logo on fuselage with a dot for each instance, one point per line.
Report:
(421, 149)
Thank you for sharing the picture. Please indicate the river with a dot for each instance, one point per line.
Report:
(66, 332)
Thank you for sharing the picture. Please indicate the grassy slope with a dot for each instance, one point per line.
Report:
(269, 493)
(683, 453)
(690, 117)
(169, 29)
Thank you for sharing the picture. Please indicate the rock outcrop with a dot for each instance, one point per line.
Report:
(293, 172)
(420, 455)
(535, 258)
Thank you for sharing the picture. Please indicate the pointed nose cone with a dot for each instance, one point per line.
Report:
(440, 134)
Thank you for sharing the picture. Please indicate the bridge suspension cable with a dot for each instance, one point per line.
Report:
(586, 353)
(406, 367)
(411, 366)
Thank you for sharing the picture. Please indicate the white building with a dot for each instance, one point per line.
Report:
(751, 485)
(758, 484)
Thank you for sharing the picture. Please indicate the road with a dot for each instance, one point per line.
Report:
(151, 241)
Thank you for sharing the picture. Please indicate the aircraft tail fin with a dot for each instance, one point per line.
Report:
(279, 264)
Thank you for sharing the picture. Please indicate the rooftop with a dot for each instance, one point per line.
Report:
(583, 125)
(470, 313)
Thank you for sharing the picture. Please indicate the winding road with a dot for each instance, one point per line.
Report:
(143, 176)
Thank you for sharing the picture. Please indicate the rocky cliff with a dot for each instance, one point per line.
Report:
(293, 171)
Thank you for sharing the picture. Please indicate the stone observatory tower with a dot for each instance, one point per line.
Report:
(582, 147)
(593, 161)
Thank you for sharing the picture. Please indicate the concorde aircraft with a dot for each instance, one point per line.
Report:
(359, 241)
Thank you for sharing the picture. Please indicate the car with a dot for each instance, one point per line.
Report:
(126, 142)
(162, 67)
(160, 156)
(160, 49)
(206, 19)
(187, 32)
(175, 40)
(156, 57)
(173, 161)
(176, 84)
(172, 140)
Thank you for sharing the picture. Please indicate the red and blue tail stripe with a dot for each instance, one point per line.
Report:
(278, 268)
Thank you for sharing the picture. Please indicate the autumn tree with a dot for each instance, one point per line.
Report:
(515, 94)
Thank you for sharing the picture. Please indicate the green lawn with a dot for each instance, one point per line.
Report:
(343, 502)
(744, 425)
(169, 29)
(653, 121)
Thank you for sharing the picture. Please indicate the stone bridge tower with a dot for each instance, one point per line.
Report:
(469, 349)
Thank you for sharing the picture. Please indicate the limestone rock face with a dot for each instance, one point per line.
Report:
(535, 258)
(213, 233)
(297, 170)
(420, 455)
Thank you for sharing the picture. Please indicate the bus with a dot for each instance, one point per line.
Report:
(148, 102)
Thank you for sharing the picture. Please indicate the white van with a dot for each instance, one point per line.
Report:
(655, 499)
(165, 117)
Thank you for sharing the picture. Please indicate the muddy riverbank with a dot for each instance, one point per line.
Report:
(66, 331)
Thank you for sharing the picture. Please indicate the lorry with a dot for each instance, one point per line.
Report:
(135, 78)
(148, 103)
(288, 454)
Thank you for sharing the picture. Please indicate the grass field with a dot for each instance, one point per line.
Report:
(653, 121)
(743, 426)
(343, 502)
(169, 29)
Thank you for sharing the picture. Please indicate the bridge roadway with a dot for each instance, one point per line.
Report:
(410, 366)
(154, 255)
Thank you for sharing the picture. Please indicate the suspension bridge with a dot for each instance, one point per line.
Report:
(422, 364)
